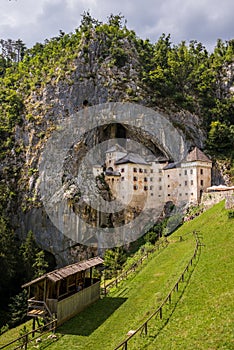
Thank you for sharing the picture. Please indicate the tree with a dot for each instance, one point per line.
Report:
(220, 137)
(114, 260)
(18, 308)
(29, 250)
(40, 265)
(8, 260)
(159, 75)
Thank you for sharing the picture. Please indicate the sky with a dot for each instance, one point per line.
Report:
(202, 20)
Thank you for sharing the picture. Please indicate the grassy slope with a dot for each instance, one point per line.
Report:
(106, 323)
(203, 318)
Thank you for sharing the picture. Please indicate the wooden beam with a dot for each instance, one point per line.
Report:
(58, 287)
(91, 277)
(44, 292)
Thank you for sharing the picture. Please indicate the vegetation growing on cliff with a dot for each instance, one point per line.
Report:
(175, 76)
(172, 77)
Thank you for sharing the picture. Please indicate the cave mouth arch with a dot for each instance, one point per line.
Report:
(81, 130)
(105, 132)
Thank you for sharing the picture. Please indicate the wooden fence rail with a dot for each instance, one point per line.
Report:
(159, 311)
(25, 339)
(124, 275)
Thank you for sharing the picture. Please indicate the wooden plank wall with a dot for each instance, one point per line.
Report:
(72, 305)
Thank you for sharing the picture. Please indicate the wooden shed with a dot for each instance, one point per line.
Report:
(64, 292)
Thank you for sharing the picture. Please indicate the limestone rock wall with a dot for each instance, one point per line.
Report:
(90, 79)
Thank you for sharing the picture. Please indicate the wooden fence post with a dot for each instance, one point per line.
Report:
(26, 342)
(169, 298)
(146, 329)
(160, 313)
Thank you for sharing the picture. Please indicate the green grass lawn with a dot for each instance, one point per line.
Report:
(106, 323)
(204, 317)
(201, 314)
(13, 333)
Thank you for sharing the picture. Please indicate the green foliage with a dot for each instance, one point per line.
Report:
(221, 137)
(7, 253)
(24, 330)
(40, 264)
(18, 308)
(173, 222)
(156, 232)
(120, 57)
(203, 302)
(183, 76)
(29, 251)
(4, 329)
(151, 237)
(114, 260)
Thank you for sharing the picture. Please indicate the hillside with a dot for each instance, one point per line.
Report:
(98, 63)
(203, 318)
(201, 315)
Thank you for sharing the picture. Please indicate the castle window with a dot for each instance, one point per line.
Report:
(140, 170)
(168, 186)
(135, 187)
(151, 170)
(186, 183)
(201, 171)
(151, 188)
(160, 179)
(185, 172)
(202, 182)
(159, 170)
(168, 194)
(151, 194)
(122, 178)
(122, 170)
(192, 194)
(168, 175)
(145, 179)
(134, 178)
(112, 179)
(180, 194)
(145, 188)
(186, 194)
(160, 188)
(145, 171)
(151, 179)
(191, 182)
(191, 171)
(135, 170)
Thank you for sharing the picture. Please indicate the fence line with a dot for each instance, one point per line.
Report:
(25, 338)
(159, 310)
(124, 275)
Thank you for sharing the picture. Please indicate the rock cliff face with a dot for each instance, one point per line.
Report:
(90, 80)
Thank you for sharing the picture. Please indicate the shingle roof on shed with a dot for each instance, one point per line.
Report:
(67, 271)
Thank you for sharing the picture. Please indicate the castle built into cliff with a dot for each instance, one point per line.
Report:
(150, 181)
